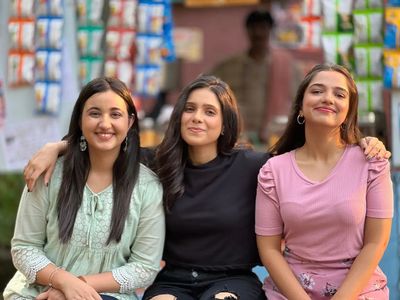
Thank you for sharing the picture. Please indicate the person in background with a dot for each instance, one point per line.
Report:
(96, 229)
(263, 78)
(336, 216)
(209, 196)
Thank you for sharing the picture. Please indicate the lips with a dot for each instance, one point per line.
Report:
(104, 135)
(195, 129)
(326, 109)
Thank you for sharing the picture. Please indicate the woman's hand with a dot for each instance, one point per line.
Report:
(51, 294)
(43, 161)
(77, 289)
(374, 148)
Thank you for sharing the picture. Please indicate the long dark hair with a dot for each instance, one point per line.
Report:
(294, 134)
(172, 153)
(76, 164)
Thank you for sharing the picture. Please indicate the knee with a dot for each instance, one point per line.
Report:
(163, 297)
(226, 296)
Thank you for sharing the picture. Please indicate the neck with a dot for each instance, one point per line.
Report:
(322, 145)
(102, 162)
(200, 156)
(258, 54)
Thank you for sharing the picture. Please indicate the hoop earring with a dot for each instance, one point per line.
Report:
(82, 144)
(125, 145)
(343, 126)
(299, 120)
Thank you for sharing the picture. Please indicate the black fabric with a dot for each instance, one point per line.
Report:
(198, 285)
(212, 226)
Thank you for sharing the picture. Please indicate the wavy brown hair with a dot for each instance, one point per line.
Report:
(294, 134)
(172, 153)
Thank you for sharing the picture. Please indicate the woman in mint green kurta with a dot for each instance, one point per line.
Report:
(93, 260)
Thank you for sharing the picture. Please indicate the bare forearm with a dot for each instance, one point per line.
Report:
(103, 282)
(360, 272)
(283, 276)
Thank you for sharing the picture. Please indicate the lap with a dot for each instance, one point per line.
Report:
(191, 284)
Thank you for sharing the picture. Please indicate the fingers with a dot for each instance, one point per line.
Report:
(372, 143)
(48, 174)
(387, 154)
(43, 296)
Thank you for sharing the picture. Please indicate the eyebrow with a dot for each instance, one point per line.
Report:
(322, 85)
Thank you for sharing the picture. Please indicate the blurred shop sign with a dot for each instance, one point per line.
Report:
(204, 3)
(188, 43)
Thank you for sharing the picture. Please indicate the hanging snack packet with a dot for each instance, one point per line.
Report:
(20, 68)
(50, 8)
(363, 4)
(148, 81)
(337, 49)
(90, 68)
(393, 2)
(119, 42)
(391, 70)
(49, 32)
(122, 13)
(311, 37)
(368, 25)
(311, 8)
(120, 69)
(22, 34)
(392, 27)
(90, 39)
(337, 15)
(148, 49)
(370, 94)
(89, 11)
(48, 97)
(22, 8)
(368, 60)
(150, 17)
(48, 65)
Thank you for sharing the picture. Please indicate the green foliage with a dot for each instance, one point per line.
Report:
(11, 186)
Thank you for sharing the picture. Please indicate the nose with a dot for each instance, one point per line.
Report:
(197, 116)
(328, 97)
(105, 121)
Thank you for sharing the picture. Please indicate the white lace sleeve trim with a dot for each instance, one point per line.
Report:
(133, 276)
(29, 261)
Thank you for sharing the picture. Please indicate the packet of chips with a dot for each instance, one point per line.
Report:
(22, 34)
(48, 97)
(368, 60)
(368, 25)
(20, 68)
(49, 32)
(48, 65)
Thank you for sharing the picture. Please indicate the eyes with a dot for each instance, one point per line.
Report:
(338, 94)
(98, 114)
(209, 111)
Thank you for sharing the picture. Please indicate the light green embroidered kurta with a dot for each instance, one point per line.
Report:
(134, 261)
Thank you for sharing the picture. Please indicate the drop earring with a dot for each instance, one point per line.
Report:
(82, 144)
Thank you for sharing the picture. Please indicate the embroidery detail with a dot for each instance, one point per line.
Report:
(133, 276)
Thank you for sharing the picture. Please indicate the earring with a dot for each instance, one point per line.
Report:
(82, 144)
(125, 145)
(300, 119)
(343, 126)
(222, 131)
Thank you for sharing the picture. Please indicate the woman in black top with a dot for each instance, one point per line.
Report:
(209, 197)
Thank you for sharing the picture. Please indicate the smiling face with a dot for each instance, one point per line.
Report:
(326, 100)
(201, 121)
(105, 121)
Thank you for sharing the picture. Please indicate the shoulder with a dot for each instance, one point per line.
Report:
(147, 176)
(229, 63)
(250, 156)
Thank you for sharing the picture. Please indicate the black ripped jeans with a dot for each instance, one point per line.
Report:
(192, 284)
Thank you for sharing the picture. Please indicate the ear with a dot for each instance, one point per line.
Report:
(131, 121)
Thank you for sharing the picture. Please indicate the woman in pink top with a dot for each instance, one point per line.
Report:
(331, 206)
